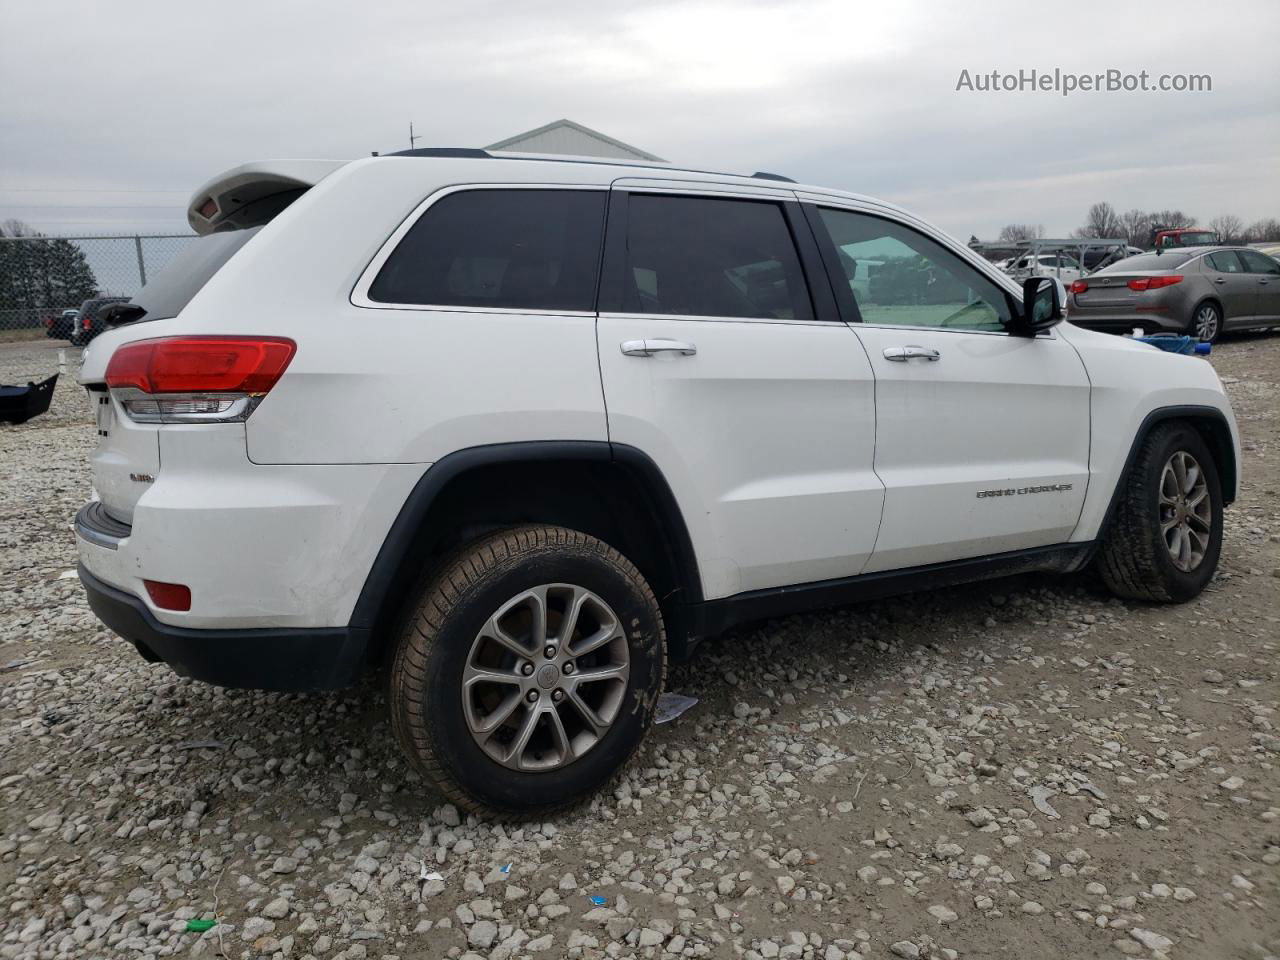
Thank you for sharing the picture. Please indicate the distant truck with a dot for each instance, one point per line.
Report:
(1184, 237)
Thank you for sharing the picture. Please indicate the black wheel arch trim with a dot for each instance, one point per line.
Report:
(1219, 441)
(405, 530)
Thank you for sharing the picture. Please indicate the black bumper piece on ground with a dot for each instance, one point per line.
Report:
(322, 658)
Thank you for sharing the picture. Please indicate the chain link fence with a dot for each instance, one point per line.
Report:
(42, 279)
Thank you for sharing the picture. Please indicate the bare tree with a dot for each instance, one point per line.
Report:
(1018, 232)
(1228, 227)
(1136, 227)
(17, 228)
(1263, 231)
(1172, 219)
(1101, 221)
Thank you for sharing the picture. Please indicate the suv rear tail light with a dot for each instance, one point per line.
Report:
(1079, 286)
(85, 321)
(196, 379)
(1154, 283)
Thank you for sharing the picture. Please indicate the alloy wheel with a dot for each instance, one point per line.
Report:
(1207, 322)
(1186, 511)
(545, 677)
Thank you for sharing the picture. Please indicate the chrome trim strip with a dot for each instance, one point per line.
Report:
(699, 319)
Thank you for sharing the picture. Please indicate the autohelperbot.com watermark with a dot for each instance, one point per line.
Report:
(1065, 82)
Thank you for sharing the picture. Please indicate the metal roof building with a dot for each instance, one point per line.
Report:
(567, 137)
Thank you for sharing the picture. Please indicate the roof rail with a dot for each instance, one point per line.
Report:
(478, 153)
(441, 152)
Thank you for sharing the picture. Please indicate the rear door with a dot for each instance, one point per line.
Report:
(982, 438)
(724, 360)
(1234, 287)
(1264, 272)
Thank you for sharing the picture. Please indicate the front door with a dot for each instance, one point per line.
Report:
(982, 438)
(724, 360)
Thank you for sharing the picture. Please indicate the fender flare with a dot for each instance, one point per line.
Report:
(405, 528)
(1224, 451)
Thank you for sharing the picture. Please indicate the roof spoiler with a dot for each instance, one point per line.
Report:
(228, 192)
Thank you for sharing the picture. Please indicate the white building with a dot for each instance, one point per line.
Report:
(567, 137)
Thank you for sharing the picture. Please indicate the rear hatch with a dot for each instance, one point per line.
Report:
(227, 214)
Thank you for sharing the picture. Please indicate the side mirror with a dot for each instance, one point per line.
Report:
(1041, 307)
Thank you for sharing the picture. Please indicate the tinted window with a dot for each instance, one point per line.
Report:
(1256, 262)
(520, 249)
(1224, 261)
(900, 277)
(1168, 260)
(170, 290)
(705, 257)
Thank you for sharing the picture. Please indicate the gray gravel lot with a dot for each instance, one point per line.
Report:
(1024, 768)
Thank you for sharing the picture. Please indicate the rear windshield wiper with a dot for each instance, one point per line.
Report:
(118, 314)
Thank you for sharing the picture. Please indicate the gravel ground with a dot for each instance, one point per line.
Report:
(1023, 768)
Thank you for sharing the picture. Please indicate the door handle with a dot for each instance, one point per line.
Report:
(903, 354)
(1219, 280)
(647, 348)
(1263, 282)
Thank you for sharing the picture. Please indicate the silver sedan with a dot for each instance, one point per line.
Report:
(1199, 291)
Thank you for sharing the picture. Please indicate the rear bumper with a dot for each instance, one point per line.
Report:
(1150, 322)
(286, 659)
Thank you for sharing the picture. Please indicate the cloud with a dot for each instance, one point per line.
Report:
(114, 112)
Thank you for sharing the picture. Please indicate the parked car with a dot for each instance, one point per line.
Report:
(1196, 291)
(525, 440)
(62, 325)
(1060, 265)
(1099, 257)
(90, 321)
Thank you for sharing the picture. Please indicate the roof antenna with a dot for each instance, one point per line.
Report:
(412, 139)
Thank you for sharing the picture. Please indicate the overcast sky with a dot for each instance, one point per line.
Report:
(112, 113)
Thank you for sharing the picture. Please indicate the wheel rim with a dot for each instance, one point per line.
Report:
(545, 677)
(1186, 511)
(1206, 322)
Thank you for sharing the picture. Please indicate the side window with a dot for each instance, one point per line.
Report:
(709, 257)
(902, 278)
(518, 249)
(1224, 261)
(1255, 262)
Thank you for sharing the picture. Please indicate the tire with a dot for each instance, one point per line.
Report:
(1137, 558)
(1206, 322)
(490, 590)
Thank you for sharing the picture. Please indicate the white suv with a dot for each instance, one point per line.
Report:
(519, 429)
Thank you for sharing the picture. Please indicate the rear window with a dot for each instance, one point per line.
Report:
(504, 249)
(1168, 260)
(170, 290)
